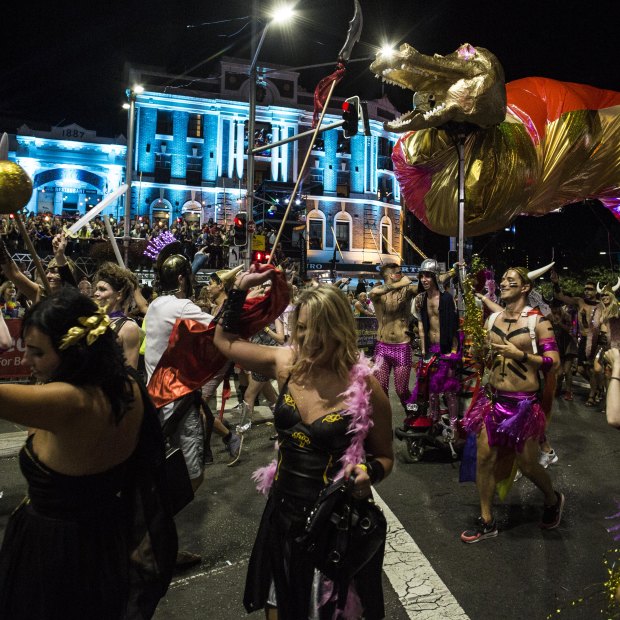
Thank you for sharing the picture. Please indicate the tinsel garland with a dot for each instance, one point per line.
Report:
(473, 320)
(609, 588)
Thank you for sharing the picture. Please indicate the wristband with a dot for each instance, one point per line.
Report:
(232, 309)
(547, 363)
(376, 471)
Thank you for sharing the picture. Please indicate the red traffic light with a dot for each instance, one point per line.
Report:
(240, 229)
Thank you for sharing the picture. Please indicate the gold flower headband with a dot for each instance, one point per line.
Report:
(92, 327)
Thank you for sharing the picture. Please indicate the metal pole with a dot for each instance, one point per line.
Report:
(129, 171)
(249, 192)
(460, 147)
(297, 136)
(302, 169)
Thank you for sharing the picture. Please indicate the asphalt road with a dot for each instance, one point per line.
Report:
(523, 573)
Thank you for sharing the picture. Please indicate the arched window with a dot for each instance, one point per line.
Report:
(342, 226)
(385, 234)
(316, 229)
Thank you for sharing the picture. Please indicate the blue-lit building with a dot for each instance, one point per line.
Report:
(71, 168)
(190, 161)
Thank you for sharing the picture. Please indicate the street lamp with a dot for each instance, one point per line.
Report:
(131, 113)
(279, 16)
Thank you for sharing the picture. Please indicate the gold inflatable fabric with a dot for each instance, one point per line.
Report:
(15, 187)
(556, 143)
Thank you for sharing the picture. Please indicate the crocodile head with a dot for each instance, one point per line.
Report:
(466, 86)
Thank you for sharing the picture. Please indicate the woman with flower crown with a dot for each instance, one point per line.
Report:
(94, 537)
(333, 420)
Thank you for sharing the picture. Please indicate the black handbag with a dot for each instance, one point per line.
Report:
(180, 489)
(342, 533)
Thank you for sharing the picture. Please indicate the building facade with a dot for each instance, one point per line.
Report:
(189, 160)
(71, 168)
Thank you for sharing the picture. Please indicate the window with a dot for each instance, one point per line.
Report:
(195, 127)
(164, 123)
(342, 235)
(315, 230)
(386, 235)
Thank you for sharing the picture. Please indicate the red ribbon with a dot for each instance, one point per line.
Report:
(322, 89)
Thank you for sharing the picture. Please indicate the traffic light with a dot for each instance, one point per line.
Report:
(260, 257)
(350, 116)
(241, 229)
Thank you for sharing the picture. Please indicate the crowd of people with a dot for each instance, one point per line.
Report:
(212, 238)
(99, 437)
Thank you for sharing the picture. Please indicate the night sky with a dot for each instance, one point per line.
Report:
(66, 63)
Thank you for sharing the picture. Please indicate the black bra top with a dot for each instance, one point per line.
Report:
(309, 453)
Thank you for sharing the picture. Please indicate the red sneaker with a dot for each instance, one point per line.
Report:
(568, 395)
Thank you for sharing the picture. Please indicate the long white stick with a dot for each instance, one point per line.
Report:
(95, 211)
(301, 170)
(117, 252)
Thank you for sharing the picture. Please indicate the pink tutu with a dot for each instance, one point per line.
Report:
(442, 374)
(510, 418)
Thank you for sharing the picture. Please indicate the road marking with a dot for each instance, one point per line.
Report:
(208, 573)
(419, 588)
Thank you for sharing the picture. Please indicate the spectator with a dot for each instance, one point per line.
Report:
(612, 357)
(94, 469)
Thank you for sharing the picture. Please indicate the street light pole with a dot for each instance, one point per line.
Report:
(256, 48)
(131, 95)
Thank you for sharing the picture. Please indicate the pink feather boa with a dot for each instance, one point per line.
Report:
(358, 407)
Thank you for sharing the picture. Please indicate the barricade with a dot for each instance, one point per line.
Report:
(12, 362)
(366, 327)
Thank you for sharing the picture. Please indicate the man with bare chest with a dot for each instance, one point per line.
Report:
(438, 328)
(508, 418)
(392, 300)
(586, 306)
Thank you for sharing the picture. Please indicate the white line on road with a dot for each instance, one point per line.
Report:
(420, 589)
(208, 573)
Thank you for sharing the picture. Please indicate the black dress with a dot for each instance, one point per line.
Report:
(76, 547)
(308, 459)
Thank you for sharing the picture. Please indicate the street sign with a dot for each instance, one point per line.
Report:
(251, 226)
(258, 242)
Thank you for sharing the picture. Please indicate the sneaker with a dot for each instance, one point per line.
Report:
(568, 395)
(548, 458)
(552, 515)
(233, 446)
(518, 475)
(481, 531)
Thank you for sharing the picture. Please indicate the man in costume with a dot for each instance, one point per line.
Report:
(220, 282)
(586, 306)
(508, 417)
(392, 301)
(181, 419)
(438, 323)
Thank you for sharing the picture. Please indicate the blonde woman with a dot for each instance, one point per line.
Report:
(313, 418)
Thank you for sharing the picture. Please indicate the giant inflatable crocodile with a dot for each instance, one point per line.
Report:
(531, 146)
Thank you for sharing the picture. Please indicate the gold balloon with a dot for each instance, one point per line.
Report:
(15, 187)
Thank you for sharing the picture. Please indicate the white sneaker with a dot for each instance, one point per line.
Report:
(548, 458)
